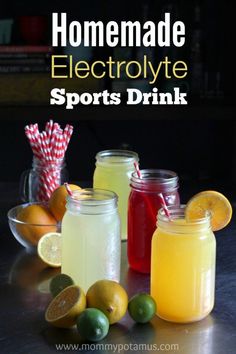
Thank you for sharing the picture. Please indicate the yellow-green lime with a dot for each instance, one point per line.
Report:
(142, 308)
(59, 283)
(92, 325)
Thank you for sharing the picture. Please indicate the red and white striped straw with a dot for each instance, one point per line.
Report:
(48, 147)
(69, 191)
(163, 204)
(136, 166)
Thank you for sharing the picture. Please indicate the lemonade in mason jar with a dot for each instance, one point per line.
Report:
(183, 257)
(91, 237)
(113, 172)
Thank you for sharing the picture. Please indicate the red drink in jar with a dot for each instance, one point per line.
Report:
(144, 203)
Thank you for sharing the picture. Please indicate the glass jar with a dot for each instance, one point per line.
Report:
(144, 203)
(37, 183)
(113, 172)
(91, 241)
(183, 267)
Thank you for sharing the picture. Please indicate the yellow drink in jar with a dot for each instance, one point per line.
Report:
(113, 172)
(91, 237)
(183, 267)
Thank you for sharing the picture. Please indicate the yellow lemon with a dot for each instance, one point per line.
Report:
(109, 297)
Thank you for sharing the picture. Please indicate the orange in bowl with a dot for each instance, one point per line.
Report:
(57, 201)
(34, 221)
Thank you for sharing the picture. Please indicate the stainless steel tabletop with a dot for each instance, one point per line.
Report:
(24, 297)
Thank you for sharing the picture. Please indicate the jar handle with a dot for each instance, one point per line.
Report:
(24, 186)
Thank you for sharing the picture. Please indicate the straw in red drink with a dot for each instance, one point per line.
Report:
(136, 166)
(163, 204)
(147, 201)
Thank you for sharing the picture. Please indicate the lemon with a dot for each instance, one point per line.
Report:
(109, 297)
(59, 283)
(142, 308)
(49, 249)
(213, 202)
(66, 307)
(92, 325)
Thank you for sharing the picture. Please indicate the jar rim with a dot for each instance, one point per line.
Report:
(177, 212)
(92, 197)
(126, 156)
(157, 177)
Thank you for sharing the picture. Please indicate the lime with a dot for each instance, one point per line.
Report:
(92, 325)
(142, 307)
(60, 282)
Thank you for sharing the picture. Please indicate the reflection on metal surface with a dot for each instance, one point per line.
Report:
(191, 338)
(30, 272)
(136, 282)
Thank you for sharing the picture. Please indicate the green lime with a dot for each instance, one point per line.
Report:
(92, 325)
(142, 307)
(59, 283)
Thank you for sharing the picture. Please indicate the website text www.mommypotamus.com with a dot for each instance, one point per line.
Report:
(119, 347)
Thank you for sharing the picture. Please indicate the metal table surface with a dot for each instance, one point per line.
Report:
(24, 297)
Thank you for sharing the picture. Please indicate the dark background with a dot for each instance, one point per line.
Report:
(197, 141)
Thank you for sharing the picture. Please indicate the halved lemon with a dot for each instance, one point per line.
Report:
(49, 249)
(64, 309)
(215, 203)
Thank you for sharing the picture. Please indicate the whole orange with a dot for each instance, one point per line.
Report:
(38, 221)
(57, 201)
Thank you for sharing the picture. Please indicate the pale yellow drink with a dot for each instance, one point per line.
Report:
(91, 238)
(183, 268)
(113, 172)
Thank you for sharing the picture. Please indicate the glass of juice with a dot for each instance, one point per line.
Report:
(144, 203)
(91, 237)
(183, 267)
(113, 172)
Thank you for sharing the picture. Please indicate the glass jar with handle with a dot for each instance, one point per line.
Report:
(32, 183)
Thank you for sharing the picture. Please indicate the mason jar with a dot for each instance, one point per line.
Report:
(113, 172)
(183, 266)
(38, 183)
(91, 243)
(144, 203)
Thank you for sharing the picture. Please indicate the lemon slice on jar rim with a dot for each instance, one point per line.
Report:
(213, 202)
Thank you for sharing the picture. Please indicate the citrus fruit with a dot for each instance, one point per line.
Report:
(215, 203)
(36, 221)
(109, 297)
(92, 325)
(65, 307)
(60, 282)
(142, 308)
(57, 201)
(49, 249)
